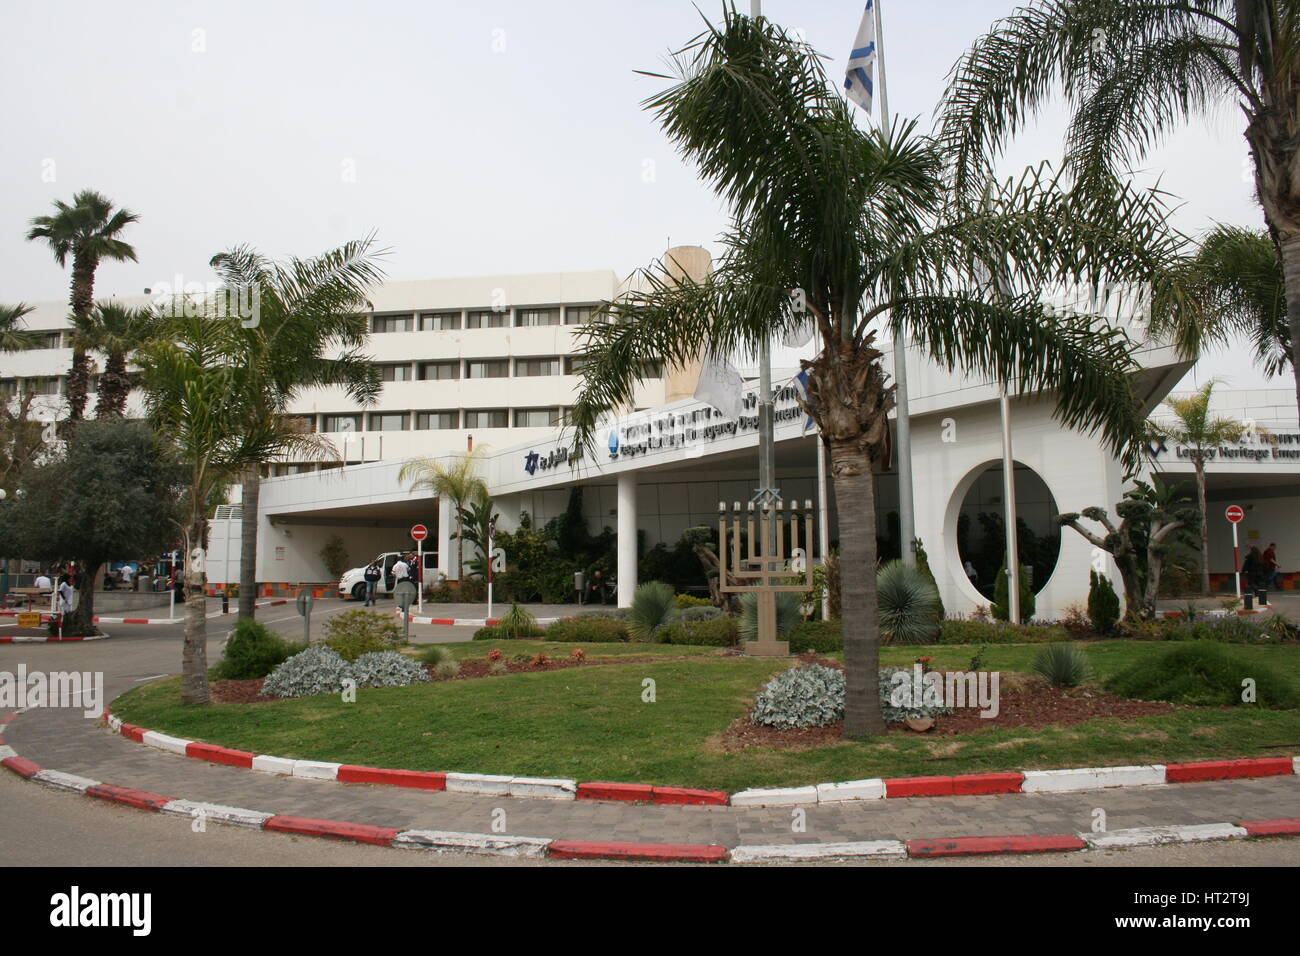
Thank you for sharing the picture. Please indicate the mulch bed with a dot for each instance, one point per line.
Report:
(1023, 702)
(250, 691)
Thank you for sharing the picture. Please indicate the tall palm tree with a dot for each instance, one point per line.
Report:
(458, 482)
(861, 228)
(1132, 71)
(14, 337)
(1193, 427)
(117, 331)
(88, 230)
(1241, 275)
(303, 326)
(194, 384)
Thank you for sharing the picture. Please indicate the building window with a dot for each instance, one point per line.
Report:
(578, 314)
(487, 319)
(341, 423)
(392, 323)
(494, 418)
(388, 422)
(439, 321)
(489, 368)
(540, 366)
(395, 373)
(8, 387)
(529, 317)
(48, 340)
(439, 371)
(536, 417)
(427, 421)
(300, 424)
(573, 363)
(652, 370)
(41, 386)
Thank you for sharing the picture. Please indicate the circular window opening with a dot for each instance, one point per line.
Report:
(981, 539)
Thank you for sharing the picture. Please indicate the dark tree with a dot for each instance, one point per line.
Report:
(111, 496)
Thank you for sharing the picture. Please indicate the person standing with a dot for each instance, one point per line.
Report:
(65, 595)
(43, 582)
(401, 571)
(1272, 570)
(372, 574)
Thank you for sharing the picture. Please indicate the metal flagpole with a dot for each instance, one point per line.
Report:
(823, 522)
(903, 423)
(1009, 497)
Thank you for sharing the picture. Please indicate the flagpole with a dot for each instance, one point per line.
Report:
(903, 423)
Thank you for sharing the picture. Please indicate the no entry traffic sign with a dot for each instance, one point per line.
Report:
(419, 532)
(1234, 513)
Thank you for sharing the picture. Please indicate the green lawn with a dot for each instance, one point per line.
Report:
(590, 723)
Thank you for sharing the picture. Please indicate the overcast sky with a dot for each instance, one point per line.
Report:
(471, 137)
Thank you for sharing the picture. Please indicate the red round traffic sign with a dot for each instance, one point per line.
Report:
(1234, 513)
(419, 532)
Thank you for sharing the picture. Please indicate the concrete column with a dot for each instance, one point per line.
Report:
(446, 525)
(626, 538)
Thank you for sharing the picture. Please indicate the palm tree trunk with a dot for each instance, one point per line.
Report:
(460, 546)
(1205, 525)
(113, 388)
(855, 496)
(194, 657)
(248, 525)
(83, 299)
(1290, 248)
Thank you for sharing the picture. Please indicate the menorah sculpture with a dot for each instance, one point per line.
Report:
(765, 569)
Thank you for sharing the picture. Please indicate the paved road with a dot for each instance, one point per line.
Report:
(64, 740)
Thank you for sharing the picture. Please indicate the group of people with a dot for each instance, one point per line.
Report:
(65, 592)
(1260, 571)
(405, 568)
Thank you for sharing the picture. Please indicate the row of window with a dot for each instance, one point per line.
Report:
(443, 419)
(31, 386)
(482, 319)
(479, 368)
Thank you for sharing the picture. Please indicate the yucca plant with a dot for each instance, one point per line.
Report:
(653, 606)
(787, 613)
(1063, 665)
(909, 604)
(518, 623)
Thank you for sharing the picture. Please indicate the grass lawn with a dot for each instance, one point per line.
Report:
(590, 723)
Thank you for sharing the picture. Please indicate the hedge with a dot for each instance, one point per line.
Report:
(590, 630)
(718, 632)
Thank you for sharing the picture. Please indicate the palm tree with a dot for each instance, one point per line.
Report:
(88, 230)
(458, 482)
(13, 336)
(194, 383)
(304, 327)
(1200, 434)
(839, 218)
(1133, 70)
(117, 331)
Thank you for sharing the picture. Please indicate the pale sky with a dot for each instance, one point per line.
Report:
(471, 137)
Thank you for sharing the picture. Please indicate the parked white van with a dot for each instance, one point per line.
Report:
(353, 583)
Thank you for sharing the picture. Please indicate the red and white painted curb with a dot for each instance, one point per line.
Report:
(463, 621)
(34, 639)
(442, 841)
(962, 785)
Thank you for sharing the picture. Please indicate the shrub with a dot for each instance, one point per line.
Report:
(1103, 604)
(494, 655)
(518, 623)
(439, 594)
(909, 605)
(897, 704)
(717, 632)
(433, 655)
(820, 637)
(653, 606)
(811, 696)
(578, 654)
(317, 670)
(923, 565)
(612, 613)
(704, 612)
(361, 631)
(387, 669)
(447, 669)
(489, 633)
(588, 630)
(253, 650)
(1204, 674)
(497, 668)
(787, 613)
(964, 631)
(1064, 665)
(1002, 597)
(690, 600)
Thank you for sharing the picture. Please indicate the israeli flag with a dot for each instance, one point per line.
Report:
(800, 383)
(857, 81)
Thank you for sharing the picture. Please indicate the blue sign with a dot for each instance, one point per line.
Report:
(613, 442)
